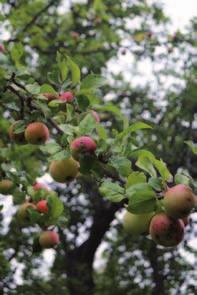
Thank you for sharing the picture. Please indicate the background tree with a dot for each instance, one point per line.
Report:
(94, 35)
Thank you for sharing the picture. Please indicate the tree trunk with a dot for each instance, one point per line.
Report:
(79, 262)
(158, 278)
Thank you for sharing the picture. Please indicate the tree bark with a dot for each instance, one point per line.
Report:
(158, 277)
(79, 261)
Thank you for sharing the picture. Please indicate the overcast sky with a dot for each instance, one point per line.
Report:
(180, 11)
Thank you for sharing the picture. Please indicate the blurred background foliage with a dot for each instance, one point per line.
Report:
(98, 35)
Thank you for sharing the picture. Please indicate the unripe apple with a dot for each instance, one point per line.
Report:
(22, 213)
(64, 170)
(66, 96)
(42, 206)
(36, 133)
(38, 186)
(179, 201)
(166, 231)
(96, 116)
(83, 144)
(49, 239)
(137, 224)
(50, 96)
(6, 186)
(17, 138)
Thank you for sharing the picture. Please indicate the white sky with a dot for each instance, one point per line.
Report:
(180, 11)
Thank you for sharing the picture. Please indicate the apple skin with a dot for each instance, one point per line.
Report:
(96, 116)
(6, 186)
(36, 133)
(38, 186)
(64, 170)
(137, 224)
(66, 96)
(48, 239)
(22, 214)
(42, 206)
(166, 231)
(83, 144)
(17, 138)
(179, 201)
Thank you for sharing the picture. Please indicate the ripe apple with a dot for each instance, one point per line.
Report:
(36, 133)
(83, 144)
(137, 224)
(42, 206)
(49, 239)
(66, 96)
(64, 170)
(178, 201)
(18, 138)
(166, 231)
(6, 186)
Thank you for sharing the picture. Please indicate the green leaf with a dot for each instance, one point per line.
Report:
(134, 178)
(145, 164)
(93, 81)
(33, 215)
(192, 145)
(17, 52)
(183, 179)
(60, 156)
(134, 128)
(112, 191)
(33, 88)
(141, 198)
(46, 88)
(156, 183)
(62, 66)
(53, 77)
(163, 170)
(102, 133)
(68, 129)
(51, 148)
(87, 125)
(56, 208)
(19, 127)
(83, 102)
(121, 164)
(110, 108)
(42, 106)
(75, 71)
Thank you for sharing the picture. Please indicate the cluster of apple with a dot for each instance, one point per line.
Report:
(60, 170)
(166, 227)
(47, 238)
